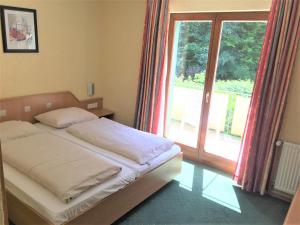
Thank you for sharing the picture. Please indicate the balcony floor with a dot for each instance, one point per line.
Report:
(224, 145)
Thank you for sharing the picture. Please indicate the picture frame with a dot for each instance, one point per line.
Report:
(19, 30)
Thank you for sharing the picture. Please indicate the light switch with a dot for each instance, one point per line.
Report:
(49, 105)
(27, 108)
(2, 112)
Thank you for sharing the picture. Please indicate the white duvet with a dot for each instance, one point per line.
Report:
(129, 142)
(64, 168)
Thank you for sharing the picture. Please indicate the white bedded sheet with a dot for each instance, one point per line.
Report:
(49, 206)
(131, 143)
(142, 169)
(63, 167)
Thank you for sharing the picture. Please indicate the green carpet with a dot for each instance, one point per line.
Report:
(203, 196)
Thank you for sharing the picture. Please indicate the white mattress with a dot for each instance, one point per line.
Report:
(142, 169)
(49, 206)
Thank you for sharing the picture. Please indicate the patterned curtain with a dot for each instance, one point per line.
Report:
(150, 89)
(269, 96)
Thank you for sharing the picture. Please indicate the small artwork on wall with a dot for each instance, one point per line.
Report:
(19, 29)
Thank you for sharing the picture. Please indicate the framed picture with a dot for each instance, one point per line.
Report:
(19, 29)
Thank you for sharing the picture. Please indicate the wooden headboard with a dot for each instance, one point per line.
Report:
(26, 107)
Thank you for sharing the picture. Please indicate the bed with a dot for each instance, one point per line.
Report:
(56, 212)
(98, 207)
(141, 169)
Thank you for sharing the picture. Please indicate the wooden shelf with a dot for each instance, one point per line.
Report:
(103, 113)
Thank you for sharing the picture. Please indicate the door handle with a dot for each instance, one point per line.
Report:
(207, 96)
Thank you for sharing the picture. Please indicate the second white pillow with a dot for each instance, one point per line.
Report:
(62, 118)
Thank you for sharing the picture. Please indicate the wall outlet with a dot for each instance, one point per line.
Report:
(49, 105)
(27, 108)
(93, 105)
(2, 112)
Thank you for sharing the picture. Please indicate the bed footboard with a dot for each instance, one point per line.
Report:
(109, 209)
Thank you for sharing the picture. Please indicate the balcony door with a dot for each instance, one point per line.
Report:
(214, 57)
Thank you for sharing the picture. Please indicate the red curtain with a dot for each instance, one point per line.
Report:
(152, 66)
(269, 95)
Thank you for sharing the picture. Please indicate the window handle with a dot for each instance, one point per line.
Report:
(207, 96)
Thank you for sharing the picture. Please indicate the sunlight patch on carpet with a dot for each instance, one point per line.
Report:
(186, 177)
(220, 189)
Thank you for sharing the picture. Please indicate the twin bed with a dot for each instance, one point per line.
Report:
(131, 176)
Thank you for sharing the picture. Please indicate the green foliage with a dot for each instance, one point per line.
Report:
(193, 46)
(229, 114)
(237, 87)
(239, 50)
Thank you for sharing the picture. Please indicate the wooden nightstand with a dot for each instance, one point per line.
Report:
(103, 113)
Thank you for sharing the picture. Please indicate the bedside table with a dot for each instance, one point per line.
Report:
(103, 113)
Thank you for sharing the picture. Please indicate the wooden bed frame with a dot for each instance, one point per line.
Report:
(109, 209)
(16, 107)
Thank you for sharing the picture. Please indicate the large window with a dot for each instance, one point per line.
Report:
(211, 78)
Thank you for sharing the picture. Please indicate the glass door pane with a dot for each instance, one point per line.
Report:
(187, 79)
(238, 56)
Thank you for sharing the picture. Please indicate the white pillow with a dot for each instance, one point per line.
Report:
(62, 118)
(15, 129)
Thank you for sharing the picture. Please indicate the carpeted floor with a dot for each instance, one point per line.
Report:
(203, 196)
